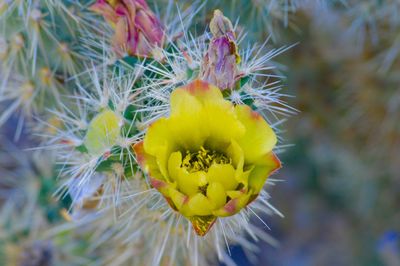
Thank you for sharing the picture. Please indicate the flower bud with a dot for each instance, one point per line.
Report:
(219, 65)
(137, 29)
(103, 132)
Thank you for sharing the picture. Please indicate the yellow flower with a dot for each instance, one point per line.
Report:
(210, 158)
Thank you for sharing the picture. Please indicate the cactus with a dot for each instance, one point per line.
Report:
(154, 125)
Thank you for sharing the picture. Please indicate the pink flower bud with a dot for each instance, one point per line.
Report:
(137, 29)
(219, 65)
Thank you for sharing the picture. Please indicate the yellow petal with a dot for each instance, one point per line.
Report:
(222, 125)
(203, 91)
(162, 160)
(186, 120)
(162, 186)
(196, 114)
(174, 165)
(189, 183)
(221, 121)
(103, 132)
(223, 174)
(200, 205)
(157, 143)
(178, 198)
(259, 138)
(147, 162)
(158, 135)
(236, 153)
(243, 178)
(233, 206)
(233, 194)
(216, 194)
(269, 164)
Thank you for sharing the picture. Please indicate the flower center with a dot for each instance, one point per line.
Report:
(203, 159)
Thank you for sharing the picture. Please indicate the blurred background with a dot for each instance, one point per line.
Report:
(340, 189)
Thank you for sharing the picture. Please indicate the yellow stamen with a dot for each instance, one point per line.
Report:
(203, 159)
